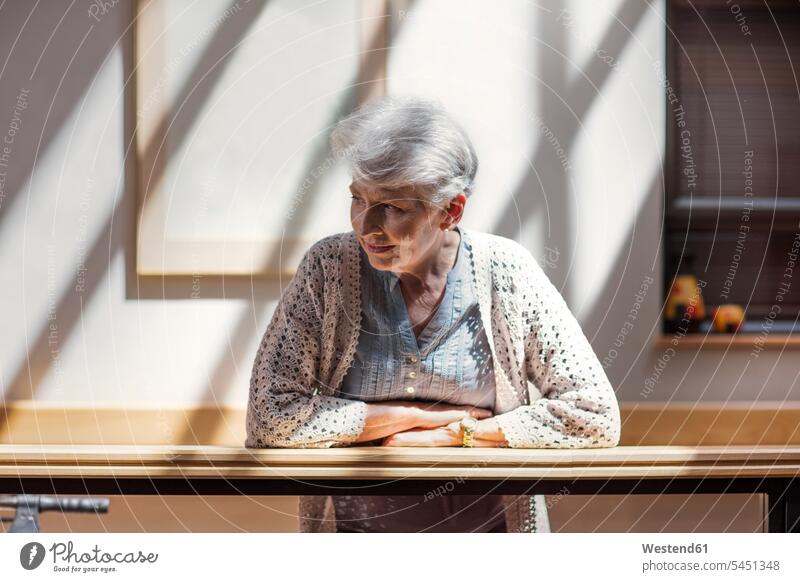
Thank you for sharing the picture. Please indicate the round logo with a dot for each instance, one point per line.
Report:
(31, 555)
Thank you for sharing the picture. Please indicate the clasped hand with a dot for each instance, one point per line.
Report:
(448, 435)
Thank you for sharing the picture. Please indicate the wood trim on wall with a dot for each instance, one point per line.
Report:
(651, 423)
(739, 341)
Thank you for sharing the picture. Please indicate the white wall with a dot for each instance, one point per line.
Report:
(512, 73)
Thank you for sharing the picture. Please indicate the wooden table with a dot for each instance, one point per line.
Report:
(213, 470)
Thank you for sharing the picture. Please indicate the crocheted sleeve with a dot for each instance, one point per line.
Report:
(285, 408)
(579, 408)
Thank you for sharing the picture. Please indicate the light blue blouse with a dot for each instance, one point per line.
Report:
(450, 362)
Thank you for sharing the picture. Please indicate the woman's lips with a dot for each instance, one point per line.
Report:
(377, 249)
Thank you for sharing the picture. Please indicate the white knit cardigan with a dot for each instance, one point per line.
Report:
(551, 391)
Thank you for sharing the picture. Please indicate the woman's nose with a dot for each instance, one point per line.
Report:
(369, 221)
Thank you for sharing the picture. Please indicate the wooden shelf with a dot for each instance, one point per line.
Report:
(731, 340)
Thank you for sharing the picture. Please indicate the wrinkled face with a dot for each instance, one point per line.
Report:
(396, 228)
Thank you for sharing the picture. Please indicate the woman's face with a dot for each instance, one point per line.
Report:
(397, 229)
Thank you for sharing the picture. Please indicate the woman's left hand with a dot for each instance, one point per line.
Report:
(448, 435)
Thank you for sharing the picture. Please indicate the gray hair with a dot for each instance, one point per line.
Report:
(395, 142)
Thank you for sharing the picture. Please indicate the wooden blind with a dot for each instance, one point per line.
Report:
(733, 151)
(735, 76)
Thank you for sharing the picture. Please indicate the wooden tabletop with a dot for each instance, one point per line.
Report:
(215, 462)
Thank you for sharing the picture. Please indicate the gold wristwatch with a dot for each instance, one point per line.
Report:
(469, 425)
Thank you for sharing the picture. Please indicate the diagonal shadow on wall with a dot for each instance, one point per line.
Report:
(66, 55)
(563, 106)
(98, 259)
(225, 368)
(123, 240)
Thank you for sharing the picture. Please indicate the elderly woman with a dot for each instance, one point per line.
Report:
(413, 331)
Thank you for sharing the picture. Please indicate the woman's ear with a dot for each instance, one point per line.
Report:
(453, 212)
(455, 209)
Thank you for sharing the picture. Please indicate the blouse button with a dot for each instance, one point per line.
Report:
(412, 374)
(410, 389)
(412, 359)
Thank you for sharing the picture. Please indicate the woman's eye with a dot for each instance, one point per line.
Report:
(379, 206)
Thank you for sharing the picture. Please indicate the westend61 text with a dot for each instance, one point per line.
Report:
(671, 549)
